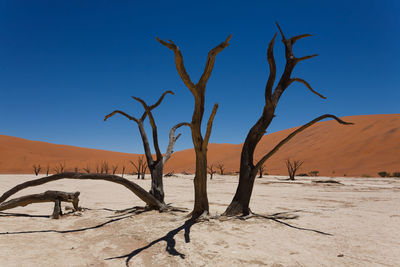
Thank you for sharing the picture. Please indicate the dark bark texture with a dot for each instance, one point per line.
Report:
(156, 166)
(248, 170)
(49, 196)
(200, 144)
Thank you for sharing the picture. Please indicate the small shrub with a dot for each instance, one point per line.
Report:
(383, 174)
(303, 174)
(313, 173)
(366, 176)
(396, 174)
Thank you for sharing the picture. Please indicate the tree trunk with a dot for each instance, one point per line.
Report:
(157, 188)
(200, 185)
(248, 172)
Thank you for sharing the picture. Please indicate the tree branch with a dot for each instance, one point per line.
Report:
(272, 71)
(136, 189)
(307, 85)
(180, 66)
(304, 58)
(209, 125)
(294, 133)
(153, 126)
(122, 113)
(172, 140)
(210, 62)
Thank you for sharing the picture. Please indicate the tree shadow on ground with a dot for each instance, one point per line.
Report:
(12, 214)
(169, 238)
(67, 231)
(278, 217)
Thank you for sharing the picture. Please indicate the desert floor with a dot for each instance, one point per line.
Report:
(356, 223)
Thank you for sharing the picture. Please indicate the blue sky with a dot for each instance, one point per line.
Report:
(66, 64)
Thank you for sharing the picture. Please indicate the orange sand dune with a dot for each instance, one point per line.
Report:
(369, 146)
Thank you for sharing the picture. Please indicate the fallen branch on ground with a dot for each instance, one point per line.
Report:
(49, 196)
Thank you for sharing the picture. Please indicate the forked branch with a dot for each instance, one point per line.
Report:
(211, 60)
(180, 66)
(294, 133)
(209, 125)
(172, 140)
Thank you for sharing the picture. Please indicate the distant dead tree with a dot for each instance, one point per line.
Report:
(47, 169)
(140, 167)
(261, 171)
(76, 169)
(198, 90)
(156, 166)
(211, 171)
(292, 167)
(36, 169)
(221, 168)
(114, 168)
(97, 168)
(59, 168)
(123, 170)
(87, 168)
(248, 169)
(104, 167)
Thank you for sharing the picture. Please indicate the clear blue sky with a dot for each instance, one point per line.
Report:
(66, 64)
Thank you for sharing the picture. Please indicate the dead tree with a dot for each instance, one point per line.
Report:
(104, 167)
(261, 171)
(47, 169)
(87, 168)
(211, 171)
(292, 167)
(156, 166)
(114, 168)
(59, 168)
(248, 169)
(97, 168)
(49, 196)
(140, 167)
(36, 169)
(221, 168)
(123, 170)
(149, 199)
(200, 144)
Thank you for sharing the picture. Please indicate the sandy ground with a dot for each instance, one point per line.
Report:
(356, 223)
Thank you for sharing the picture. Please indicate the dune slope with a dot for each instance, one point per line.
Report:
(369, 146)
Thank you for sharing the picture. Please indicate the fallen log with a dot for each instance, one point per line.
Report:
(150, 200)
(49, 196)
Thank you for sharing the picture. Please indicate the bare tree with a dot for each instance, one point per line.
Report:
(156, 166)
(221, 168)
(97, 167)
(60, 167)
(87, 168)
(261, 171)
(123, 170)
(114, 168)
(36, 169)
(76, 169)
(211, 171)
(104, 167)
(47, 169)
(139, 167)
(248, 169)
(292, 167)
(198, 90)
